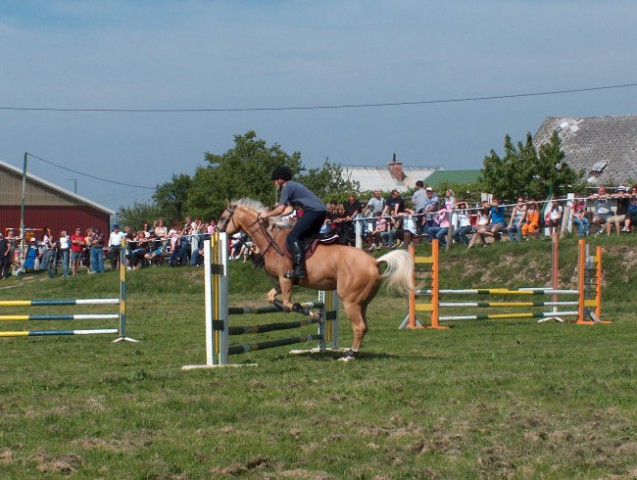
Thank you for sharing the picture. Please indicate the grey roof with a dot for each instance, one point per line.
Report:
(604, 147)
(57, 188)
(380, 178)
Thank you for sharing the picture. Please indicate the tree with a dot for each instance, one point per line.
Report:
(329, 182)
(525, 171)
(138, 214)
(171, 197)
(243, 171)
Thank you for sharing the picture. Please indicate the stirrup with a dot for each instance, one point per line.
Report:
(295, 274)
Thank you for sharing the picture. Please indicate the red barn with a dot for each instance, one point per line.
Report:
(46, 205)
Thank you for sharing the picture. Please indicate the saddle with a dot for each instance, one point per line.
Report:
(311, 243)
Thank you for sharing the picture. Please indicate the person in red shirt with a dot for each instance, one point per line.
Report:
(77, 248)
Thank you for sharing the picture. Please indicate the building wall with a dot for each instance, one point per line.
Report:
(36, 194)
(56, 218)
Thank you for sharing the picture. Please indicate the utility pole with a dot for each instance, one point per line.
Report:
(22, 204)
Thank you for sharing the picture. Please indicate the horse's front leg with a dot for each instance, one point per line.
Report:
(272, 294)
(285, 287)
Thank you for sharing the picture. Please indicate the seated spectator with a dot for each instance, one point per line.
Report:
(461, 221)
(441, 227)
(237, 241)
(156, 250)
(139, 249)
(631, 213)
(410, 226)
(394, 204)
(553, 217)
(579, 217)
(160, 230)
(517, 220)
(623, 201)
(390, 235)
(482, 225)
(376, 241)
(532, 224)
(602, 208)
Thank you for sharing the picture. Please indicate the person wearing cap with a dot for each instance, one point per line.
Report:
(115, 245)
(295, 195)
(623, 202)
(431, 205)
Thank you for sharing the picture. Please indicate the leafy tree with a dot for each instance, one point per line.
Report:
(523, 170)
(170, 197)
(138, 214)
(330, 182)
(243, 171)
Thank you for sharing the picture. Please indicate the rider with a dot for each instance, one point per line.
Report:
(293, 194)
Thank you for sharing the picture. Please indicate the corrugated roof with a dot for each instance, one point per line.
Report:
(62, 191)
(604, 147)
(380, 178)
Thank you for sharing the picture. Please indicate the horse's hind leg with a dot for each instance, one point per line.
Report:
(356, 314)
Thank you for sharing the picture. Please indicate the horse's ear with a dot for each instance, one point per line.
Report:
(227, 203)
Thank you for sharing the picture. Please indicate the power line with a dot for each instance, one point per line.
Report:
(88, 175)
(314, 107)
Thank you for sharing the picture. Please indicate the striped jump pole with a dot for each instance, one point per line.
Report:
(587, 293)
(120, 315)
(218, 313)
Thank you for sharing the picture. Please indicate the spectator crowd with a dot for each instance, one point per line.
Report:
(383, 223)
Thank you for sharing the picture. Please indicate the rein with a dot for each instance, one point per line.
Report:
(262, 228)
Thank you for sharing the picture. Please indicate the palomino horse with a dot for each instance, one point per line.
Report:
(354, 274)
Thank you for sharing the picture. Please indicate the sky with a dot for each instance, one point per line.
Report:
(137, 91)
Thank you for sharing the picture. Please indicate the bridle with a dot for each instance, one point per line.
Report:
(262, 228)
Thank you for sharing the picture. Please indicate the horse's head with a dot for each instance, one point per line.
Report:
(226, 221)
(239, 215)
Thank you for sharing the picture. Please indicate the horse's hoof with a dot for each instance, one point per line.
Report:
(349, 356)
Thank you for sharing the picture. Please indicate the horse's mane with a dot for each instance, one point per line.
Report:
(258, 207)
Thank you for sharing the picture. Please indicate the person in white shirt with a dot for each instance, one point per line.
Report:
(115, 245)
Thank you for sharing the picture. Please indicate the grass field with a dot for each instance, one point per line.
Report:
(485, 399)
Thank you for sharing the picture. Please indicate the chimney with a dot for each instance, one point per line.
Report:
(396, 169)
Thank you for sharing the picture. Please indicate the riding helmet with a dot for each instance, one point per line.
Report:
(283, 173)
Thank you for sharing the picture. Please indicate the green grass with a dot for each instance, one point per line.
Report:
(485, 399)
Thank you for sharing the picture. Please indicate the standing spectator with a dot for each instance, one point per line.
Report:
(432, 204)
(518, 217)
(212, 226)
(375, 205)
(115, 245)
(77, 249)
(394, 204)
(63, 252)
(352, 210)
(97, 251)
(13, 240)
(87, 250)
(5, 257)
(579, 217)
(419, 198)
(553, 217)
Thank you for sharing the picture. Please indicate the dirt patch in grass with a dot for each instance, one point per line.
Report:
(63, 464)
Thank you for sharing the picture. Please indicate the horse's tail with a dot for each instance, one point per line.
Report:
(400, 270)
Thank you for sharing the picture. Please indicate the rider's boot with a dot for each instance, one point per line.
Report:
(296, 249)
